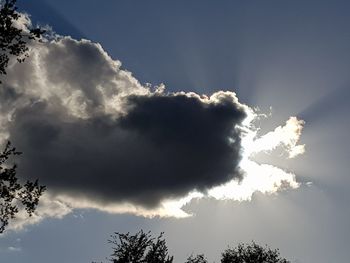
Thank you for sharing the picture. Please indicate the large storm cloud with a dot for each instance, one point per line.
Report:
(89, 129)
(99, 139)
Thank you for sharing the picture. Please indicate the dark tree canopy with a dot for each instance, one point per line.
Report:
(139, 248)
(196, 259)
(143, 248)
(252, 253)
(13, 40)
(13, 194)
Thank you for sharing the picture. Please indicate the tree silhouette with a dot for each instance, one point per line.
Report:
(252, 253)
(14, 195)
(139, 248)
(196, 259)
(143, 248)
(13, 39)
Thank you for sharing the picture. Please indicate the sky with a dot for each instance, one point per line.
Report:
(216, 122)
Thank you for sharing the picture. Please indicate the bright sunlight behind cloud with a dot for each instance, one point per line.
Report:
(264, 178)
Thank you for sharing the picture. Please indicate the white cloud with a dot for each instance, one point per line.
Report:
(263, 178)
(49, 207)
(286, 136)
(14, 249)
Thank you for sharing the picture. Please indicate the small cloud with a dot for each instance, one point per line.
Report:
(286, 136)
(309, 184)
(14, 249)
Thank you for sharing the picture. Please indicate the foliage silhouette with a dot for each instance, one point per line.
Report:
(252, 253)
(13, 195)
(13, 40)
(139, 248)
(196, 259)
(143, 248)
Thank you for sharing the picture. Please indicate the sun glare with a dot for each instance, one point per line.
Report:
(257, 177)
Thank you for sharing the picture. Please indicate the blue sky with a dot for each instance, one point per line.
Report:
(292, 56)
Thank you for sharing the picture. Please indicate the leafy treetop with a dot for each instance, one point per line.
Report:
(252, 253)
(13, 194)
(13, 40)
(142, 248)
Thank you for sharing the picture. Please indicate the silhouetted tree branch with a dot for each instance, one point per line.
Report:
(13, 40)
(14, 195)
(139, 248)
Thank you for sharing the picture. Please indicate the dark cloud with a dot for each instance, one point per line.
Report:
(165, 146)
(89, 129)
